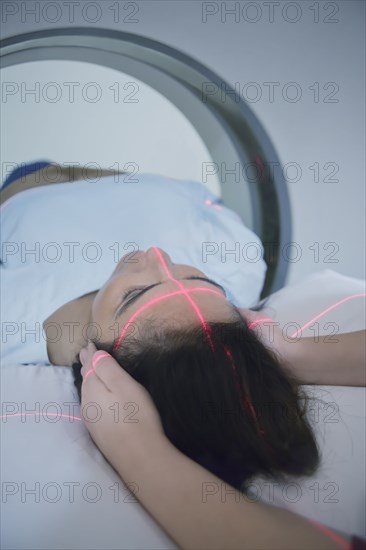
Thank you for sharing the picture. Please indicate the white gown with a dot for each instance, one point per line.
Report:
(61, 241)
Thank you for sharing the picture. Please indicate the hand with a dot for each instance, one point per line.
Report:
(121, 416)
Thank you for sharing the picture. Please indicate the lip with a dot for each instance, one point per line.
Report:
(141, 255)
(165, 255)
(138, 257)
(135, 255)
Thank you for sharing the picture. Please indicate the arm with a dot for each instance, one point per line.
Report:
(52, 175)
(196, 508)
(35, 179)
(336, 361)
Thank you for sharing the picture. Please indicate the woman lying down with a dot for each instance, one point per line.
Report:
(220, 380)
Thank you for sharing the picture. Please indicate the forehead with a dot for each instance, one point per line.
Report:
(179, 307)
(169, 301)
(182, 293)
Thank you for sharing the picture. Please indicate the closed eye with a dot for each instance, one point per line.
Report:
(124, 305)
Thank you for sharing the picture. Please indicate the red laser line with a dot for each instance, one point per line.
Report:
(189, 299)
(337, 538)
(252, 324)
(198, 312)
(326, 311)
(96, 360)
(245, 400)
(184, 291)
(210, 203)
(156, 300)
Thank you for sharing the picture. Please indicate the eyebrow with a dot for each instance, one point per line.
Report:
(125, 306)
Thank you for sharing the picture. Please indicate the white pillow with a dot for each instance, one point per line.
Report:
(48, 455)
(62, 241)
(61, 452)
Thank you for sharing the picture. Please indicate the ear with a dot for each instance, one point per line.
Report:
(249, 315)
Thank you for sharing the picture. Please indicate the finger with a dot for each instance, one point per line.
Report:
(93, 389)
(85, 356)
(87, 370)
(93, 357)
(110, 371)
(88, 360)
(87, 367)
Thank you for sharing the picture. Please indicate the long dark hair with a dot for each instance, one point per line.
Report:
(235, 410)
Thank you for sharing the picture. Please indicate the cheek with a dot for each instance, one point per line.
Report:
(100, 320)
(99, 313)
(102, 313)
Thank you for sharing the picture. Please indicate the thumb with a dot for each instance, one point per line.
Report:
(109, 370)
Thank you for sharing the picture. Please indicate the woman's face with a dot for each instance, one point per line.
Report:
(154, 268)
